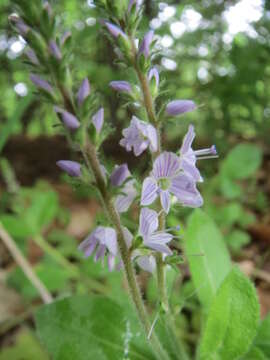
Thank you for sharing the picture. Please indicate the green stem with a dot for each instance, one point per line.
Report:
(92, 161)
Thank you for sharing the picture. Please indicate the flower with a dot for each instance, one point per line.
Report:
(103, 240)
(153, 72)
(167, 178)
(122, 86)
(84, 91)
(54, 49)
(178, 107)
(98, 119)
(32, 56)
(145, 262)
(188, 156)
(69, 120)
(72, 168)
(139, 136)
(128, 192)
(146, 42)
(40, 83)
(114, 30)
(119, 175)
(152, 238)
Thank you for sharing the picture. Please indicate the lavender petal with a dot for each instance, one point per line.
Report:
(149, 191)
(178, 107)
(148, 222)
(72, 168)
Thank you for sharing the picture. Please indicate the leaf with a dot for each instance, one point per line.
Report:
(255, 354)
(42, 210)
(90, 327)
(237, 239)
(262, 340)
(233, 319)
(207, 255)
(242, 161)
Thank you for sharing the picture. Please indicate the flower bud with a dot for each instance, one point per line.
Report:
(84, 91)
(178, 107)
(40, 83)
(64, 37)
(98, 120)
(119, 175)
(133, 3)
(122, 86)
(154, 73)
(114, 30)
(72, 168)
(69, 120)
(145, 45)
(54, 49)
(32, 56)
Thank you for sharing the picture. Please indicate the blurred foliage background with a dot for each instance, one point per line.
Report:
(214, 52)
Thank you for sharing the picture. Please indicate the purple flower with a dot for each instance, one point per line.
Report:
(152, 238)
(40, 83)
(20, 25)
(69, 120)
(146, 42)
(119, 175)
(188, 156)
(98, 120)
(114, 30)
(178, 107)
(147, 263)
(102, 240)
(128, 192)
(32, 56)
(84, 91)
(54, 49)
(72, 168)
(64, 37)
(139, 136)
(154, 73)
(122, 86)
(168, 178)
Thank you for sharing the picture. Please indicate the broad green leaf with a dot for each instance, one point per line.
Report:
(262, 340)
(16, 226)
(255, 354)
(207, 255)
(242, 161)
(90, 327)
(232, 321)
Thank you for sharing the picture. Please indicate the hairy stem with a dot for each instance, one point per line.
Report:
(91, 159)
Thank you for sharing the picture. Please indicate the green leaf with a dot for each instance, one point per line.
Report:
(237, 239)
(42, 210)
(233, 319)
(207, 255)
(90, 327)
(242, 161)
(262, 340)
(255, 354)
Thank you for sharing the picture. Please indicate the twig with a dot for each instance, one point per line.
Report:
(25, 266)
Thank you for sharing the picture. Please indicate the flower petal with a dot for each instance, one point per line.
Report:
(111, 262)
(188, 139)
(184, 188)
(165, 200)
(119, 175)
(123, 201)
(100, 252)
(166, 165)
(110, 240)
(148, 222)
(164, 249)
(191, 170)
(72, 168)
(153, 137)
(178, 107)
(149, 191)
(147, 263)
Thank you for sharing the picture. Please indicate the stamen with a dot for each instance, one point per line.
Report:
(210, 151)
